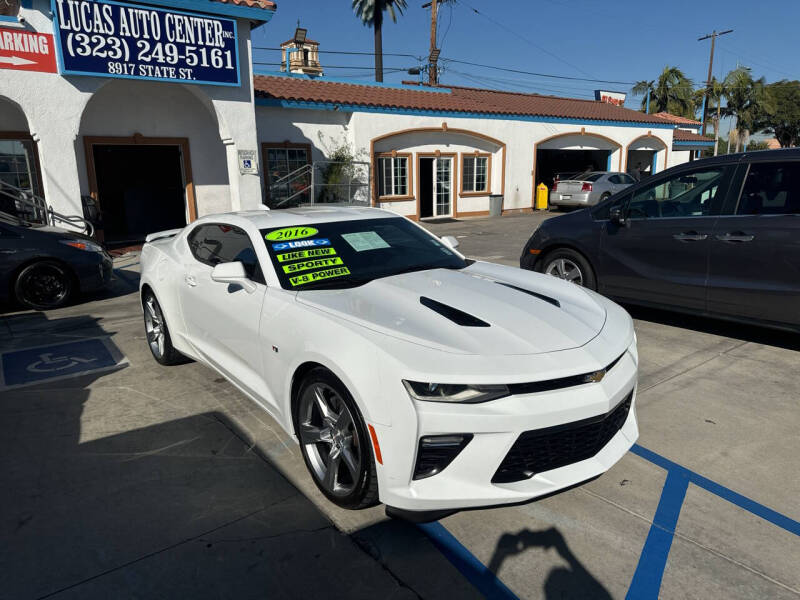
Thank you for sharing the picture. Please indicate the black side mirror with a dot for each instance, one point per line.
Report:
(616, 217)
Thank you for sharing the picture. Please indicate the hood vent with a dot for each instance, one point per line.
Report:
(552, 301)
(456, 316)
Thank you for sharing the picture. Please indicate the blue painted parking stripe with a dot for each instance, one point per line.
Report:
(728, 494)
(646, 581)
(470, 567)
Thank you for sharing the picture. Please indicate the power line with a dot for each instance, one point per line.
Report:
(519, 71)
(280, 64)
(348, 52)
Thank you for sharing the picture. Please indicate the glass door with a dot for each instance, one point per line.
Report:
(442, 187)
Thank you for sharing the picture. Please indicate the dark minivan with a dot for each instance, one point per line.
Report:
(719, 236)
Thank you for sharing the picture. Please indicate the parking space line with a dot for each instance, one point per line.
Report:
(478, 574)
(646, 581)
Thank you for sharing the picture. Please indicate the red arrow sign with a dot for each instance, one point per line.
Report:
(27, 51)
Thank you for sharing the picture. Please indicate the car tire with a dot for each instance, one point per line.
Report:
(569, 265)
(157, 333)
(334, 441)
(44, 285)
(604, 197)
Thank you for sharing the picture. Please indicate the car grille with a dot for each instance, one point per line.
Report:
(541, 450)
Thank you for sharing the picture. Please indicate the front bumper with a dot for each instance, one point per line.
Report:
(568, 199)
(496, 426)
(94, 272)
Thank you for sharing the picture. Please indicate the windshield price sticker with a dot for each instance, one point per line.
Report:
(301, 244)
(365, 240)
(312, 264)
(291, 233)
(300, 254)
(319, 276)
(113, 39)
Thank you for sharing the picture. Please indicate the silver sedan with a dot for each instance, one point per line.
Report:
(589, 188)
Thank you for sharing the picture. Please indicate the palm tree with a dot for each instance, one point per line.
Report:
(671, 92)
(716, 93)
(371, 14)
(644, 88)
(747, 101)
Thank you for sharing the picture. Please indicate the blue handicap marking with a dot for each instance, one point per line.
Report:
(48, 362)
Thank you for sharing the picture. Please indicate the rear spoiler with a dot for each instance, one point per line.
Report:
(160, 235)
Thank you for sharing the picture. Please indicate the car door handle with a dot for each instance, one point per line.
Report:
(736, 236)
(190, 280)
(690, 236)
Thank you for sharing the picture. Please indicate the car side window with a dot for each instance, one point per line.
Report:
(771, 189)
(626, 179)
(614, 179)
(687, 194)
(219, 243)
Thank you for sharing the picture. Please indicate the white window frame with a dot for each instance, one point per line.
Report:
(475, 158)
(390, 188)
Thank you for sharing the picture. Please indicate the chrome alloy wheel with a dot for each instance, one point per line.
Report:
(330, 438)
(565, 269)
(154, 326)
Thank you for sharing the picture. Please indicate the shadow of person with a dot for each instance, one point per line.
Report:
(562, 582)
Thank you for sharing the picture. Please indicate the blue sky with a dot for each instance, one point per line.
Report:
(618, 40)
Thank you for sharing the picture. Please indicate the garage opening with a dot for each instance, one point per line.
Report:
(140, 189)
(564, 163)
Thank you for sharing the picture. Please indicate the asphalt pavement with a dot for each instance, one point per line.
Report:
(139, 481)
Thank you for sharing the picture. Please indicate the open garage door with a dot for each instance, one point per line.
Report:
(552, 162)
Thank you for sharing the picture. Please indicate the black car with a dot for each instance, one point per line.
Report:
(719, 236)
(42, 267)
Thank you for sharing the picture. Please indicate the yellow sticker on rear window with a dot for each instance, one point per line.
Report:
(319, 276)
(316, 263)
(299, 254)
(291, 233)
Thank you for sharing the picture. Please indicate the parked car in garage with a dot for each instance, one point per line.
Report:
(42, 267)
(588, 188)
(407, 373)
(719, 237)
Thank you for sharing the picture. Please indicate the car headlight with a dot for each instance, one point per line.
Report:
(86, 245)
(454, 392)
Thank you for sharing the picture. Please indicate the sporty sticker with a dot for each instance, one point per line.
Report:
(312, 264)
(365, 240)
(299, 254)
(291, 233)
(301, 244)
(319, 275)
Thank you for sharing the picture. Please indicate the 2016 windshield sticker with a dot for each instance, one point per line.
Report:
(301, 244)
(318, 276)
(365, 240)
(299, 254)
(291, 233)
(312, 264)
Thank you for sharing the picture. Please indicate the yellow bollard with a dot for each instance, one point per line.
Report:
(541, 196)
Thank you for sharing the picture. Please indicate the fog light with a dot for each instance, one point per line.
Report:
(435, 452)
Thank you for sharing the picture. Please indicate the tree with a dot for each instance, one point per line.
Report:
(671, 92)
(783, 112)
(371, 14)
(747, 101)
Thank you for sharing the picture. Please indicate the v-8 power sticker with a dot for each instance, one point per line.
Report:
(319, 275)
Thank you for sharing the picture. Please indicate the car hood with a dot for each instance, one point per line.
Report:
(498, 310)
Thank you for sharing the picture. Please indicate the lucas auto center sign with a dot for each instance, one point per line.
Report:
(114, 39)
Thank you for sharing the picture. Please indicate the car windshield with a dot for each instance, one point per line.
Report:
(349, 253)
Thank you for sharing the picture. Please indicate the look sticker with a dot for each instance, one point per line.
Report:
(298, 254)
(312, 264)
(301, 244)
(291, 233)
(319, 276)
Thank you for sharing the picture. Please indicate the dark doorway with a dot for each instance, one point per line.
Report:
(425, 187)
(641, 163)
(552, 162)
(140, 190)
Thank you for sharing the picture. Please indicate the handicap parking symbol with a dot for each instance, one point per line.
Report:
(33, 365)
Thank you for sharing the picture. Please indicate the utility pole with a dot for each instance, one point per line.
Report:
(433, 57)
(714, 35)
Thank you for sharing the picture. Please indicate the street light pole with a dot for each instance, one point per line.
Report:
(714, 35)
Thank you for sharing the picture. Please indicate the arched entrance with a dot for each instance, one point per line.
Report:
(19, 158)
(154, 159)
(568, 154)
(645, 156)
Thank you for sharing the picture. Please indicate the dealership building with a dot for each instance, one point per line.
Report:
(151, 112)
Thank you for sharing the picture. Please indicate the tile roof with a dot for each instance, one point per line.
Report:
(681, 135)
(676, 119)
(265, 4)
(451, 98)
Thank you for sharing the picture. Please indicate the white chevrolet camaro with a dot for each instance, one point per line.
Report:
(407, 373)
